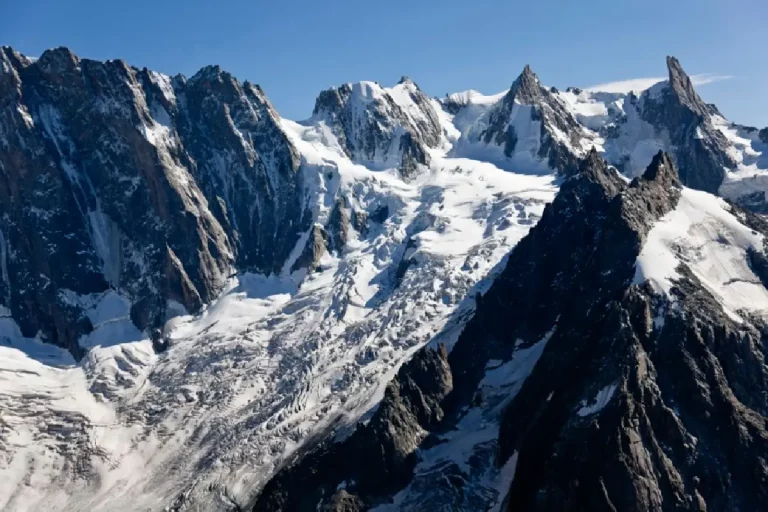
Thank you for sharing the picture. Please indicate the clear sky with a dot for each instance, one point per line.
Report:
(295, 48)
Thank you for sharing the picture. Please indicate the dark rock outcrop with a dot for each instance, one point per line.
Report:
(379, 456)
(125, 179)
(338, 226)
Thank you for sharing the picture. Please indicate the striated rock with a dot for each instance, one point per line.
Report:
(125, 179)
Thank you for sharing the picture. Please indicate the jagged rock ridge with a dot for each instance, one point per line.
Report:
(117, 178)
(700, 150)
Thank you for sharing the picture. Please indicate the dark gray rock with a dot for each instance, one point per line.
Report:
(698, 148)
(316, 246)
(119, 178)
(380, 215)
(359, 221)
(338, 226)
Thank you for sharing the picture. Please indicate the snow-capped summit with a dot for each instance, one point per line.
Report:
(529, 129)
(711, 153)
(381, 127)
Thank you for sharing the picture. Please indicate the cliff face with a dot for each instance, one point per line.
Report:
(125, 179)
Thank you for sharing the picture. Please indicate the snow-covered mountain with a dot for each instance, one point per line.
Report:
(208, 307)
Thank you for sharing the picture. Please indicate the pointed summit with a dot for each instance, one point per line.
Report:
(681, 86)
(58, 60)
(526, 87)
(662, 170)
(407, 81)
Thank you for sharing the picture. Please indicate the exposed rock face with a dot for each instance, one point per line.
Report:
(382, 127)
(533, 112)
(701, 149)
(684, 121)
(338, 225)
(638, 401)
(125, 179)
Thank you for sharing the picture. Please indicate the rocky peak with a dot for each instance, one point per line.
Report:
(58, 60)
(10, 59)
(380, 126)
(593, 177)
(526, 89)
(681, 86)
(676, 111)
(662, 170)
(528, 107)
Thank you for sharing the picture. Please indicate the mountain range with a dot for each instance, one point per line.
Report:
(535, 300)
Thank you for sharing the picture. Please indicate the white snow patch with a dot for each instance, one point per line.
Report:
(473, 97)
(598, 403)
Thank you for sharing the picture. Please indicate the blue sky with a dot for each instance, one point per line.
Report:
(294, 49)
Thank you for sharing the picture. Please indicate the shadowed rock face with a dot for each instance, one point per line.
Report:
(157, 187)
(378, 456)
(637, 402)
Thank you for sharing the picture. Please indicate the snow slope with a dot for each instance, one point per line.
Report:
(703, 234)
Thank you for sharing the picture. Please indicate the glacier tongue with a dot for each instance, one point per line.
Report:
(276, 359)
